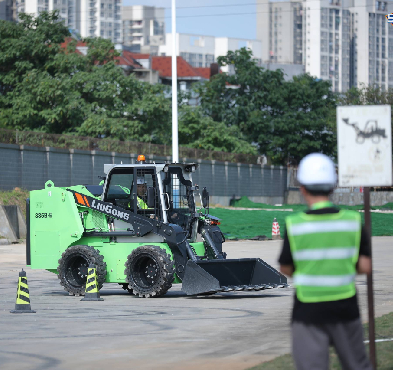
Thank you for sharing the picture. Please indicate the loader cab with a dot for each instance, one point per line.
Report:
(160, 191)
(179, 197)
(134, 188)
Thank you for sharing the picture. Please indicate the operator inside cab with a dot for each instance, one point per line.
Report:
(141, 189)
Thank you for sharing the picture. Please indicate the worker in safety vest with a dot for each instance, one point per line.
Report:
(323, 249)
(141, 189)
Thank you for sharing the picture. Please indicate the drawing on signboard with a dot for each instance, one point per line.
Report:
(371, 130)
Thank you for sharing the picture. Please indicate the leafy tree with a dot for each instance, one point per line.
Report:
(197, 130)
(48, 88)
(287, 119)
(367, 95)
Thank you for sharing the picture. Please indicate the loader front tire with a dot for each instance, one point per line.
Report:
(149, 271)
(72, 269)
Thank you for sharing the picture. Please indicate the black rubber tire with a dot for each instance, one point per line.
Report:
(145, 260)
(125, 287)
(75, 260)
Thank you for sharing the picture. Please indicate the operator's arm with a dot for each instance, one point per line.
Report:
(364, 263)
(286, 260)
(286, 270)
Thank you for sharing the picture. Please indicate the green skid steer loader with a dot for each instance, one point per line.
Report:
(140, 230)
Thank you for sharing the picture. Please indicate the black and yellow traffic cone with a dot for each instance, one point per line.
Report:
(22, 304)
(92, 293)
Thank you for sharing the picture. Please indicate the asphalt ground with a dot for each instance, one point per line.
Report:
(223, 331)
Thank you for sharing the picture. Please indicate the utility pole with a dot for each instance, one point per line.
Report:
(175, 136)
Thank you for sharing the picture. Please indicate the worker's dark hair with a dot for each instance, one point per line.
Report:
(319, 190)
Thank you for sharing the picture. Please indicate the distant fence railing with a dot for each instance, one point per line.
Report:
(41, 139)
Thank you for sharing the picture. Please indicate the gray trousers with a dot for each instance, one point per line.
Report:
(310, 345)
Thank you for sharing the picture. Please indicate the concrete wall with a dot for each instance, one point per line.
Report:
(30, 167)
(341, 196)
(12, 223)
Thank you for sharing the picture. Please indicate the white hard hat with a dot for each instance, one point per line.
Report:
(317, 171)
(140, 181)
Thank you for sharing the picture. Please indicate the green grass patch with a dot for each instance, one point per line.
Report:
(247, 224)
(383, 329)
(15, 197)
(243, 224)
(244, 202)
(386, 206)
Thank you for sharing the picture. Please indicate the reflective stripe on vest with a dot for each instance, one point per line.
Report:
(141, 203)
(322, 254)
(325, 249)
(330, 281)
(324, 227)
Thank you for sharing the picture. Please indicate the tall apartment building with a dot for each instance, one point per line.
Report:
(348, 42)
(101, 18)
(7, 10)
(327, 39)
(143, 28)
(279, 27)
(372, 43)
(89, 18)
(68, 9)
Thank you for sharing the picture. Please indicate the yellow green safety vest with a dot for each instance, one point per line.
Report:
(325, 250)
(141, 203)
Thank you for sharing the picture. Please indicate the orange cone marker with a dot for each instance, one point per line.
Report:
(275, 230)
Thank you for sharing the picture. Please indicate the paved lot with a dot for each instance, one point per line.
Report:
(227, 331)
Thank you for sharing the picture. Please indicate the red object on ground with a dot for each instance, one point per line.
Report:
(275, 229)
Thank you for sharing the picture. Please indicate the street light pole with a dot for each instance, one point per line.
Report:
(175, 137)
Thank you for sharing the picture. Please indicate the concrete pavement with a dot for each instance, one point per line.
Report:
(226, 331)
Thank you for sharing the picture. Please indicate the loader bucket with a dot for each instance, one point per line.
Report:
(212, 276)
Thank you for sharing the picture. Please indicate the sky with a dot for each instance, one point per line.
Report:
(207, 17)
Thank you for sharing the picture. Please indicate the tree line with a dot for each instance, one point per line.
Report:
(49, 88)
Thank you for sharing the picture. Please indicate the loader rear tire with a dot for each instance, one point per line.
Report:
(149, 271)
(72, 269)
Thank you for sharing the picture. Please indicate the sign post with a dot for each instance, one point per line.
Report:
(364, 145)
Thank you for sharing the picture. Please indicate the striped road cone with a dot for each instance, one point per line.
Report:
(22, 304)
(92, 293)
(275, 230)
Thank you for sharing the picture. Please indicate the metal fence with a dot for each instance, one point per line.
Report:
(30, 167)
